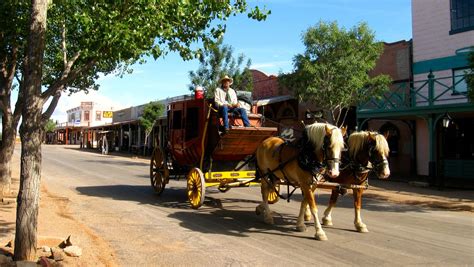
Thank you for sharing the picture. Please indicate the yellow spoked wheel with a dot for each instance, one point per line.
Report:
(273, 196)
(196, 187)
(159, 173)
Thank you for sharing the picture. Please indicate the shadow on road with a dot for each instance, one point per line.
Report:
(8, 228)
(118, 162)
(231, 216)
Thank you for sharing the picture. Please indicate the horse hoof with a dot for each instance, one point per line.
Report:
(301, 228)
(321, 236)
(362, 229)
(327, 222)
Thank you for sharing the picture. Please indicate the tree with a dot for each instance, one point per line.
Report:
(50, 126)
(218, 61)
(14, 16)
(84, 39)
(333, 71)
(151, 112)
(470, 78)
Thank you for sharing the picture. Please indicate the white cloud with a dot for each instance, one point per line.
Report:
(68, 102)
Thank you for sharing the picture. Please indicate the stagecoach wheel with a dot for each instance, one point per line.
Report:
(196, 187)
(273, 196)
(158, 171)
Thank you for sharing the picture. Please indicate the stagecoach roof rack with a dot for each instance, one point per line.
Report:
(173, 99)
(271, 100)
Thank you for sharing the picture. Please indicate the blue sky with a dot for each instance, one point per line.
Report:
(270, 44)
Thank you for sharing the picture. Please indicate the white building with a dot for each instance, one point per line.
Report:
(89, 114)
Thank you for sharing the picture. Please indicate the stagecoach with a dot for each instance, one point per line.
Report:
(192, 144)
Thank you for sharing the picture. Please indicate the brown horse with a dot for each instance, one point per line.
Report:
(367, 151)
(319, 150)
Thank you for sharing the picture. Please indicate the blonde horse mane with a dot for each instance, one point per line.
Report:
(358, 139)
(317, 131)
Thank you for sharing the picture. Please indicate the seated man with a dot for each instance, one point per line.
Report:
(226, 99)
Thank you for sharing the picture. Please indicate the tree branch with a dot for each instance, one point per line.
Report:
(52, 106)
(63, 44)
(67, 76)
(345, 116)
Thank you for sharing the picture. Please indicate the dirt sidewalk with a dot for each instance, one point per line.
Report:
(55, 222)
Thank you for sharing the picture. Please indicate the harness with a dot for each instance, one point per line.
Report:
(305, 159)
(360, 171)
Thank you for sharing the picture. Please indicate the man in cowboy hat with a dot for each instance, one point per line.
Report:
(226, 99)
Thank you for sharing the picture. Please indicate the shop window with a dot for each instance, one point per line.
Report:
(462, 16)
(459, 80)
(86, 115)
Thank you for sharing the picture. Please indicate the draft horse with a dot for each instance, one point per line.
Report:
(319, 150)
(368, 151)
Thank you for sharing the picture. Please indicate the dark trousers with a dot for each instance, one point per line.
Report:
(224, 110)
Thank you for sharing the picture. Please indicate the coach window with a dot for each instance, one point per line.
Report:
(177, 120)
(192, 123)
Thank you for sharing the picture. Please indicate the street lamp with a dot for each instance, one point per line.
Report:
(446, 120)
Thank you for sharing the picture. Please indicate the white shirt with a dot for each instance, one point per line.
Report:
(220, 97)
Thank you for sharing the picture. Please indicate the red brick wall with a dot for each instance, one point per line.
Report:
(265, 86)
(395, 61)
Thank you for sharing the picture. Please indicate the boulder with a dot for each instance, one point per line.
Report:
(73, 251)
(5, 260)
(26, 264)
(58, 254)
(66, 243)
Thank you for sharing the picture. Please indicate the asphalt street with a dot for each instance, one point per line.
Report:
(112, 195)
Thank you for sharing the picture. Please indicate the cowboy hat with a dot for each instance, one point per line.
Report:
(228, 79)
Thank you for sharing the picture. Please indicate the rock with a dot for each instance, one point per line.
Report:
(44, 251)
(58, 254)
(73, 251)
(26, 264)
(6, 251)
(5, 260)
(66, 243)
(45, 262)
(8, 200)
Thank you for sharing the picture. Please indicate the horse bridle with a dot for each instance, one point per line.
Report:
(326, 145)
(376, 165)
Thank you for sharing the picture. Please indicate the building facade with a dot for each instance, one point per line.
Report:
(87, 114)
(434, 105)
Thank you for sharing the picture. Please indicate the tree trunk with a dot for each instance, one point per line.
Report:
(145, 145)
(31, 131)
(6, 153)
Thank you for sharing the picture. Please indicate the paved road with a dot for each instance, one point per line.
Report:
(112, 196)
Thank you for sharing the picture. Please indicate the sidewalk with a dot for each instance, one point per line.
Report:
(403, 192)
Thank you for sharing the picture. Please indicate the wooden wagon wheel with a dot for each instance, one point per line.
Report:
(159, 173)
(196, 186)
(273, 195)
